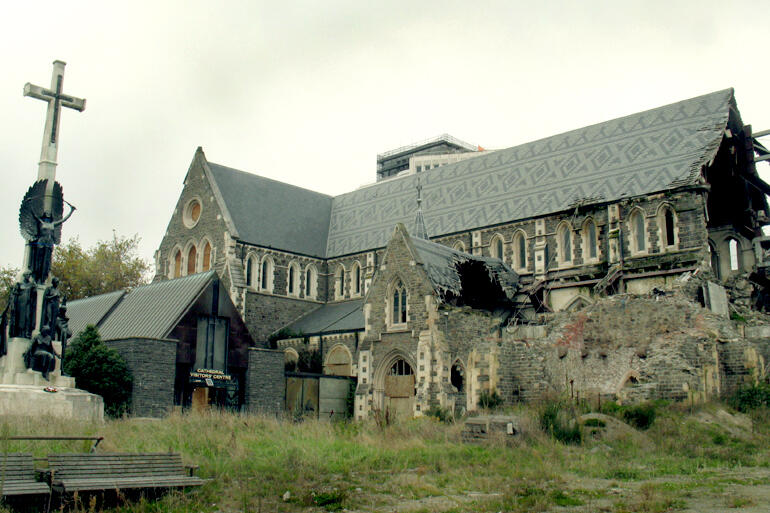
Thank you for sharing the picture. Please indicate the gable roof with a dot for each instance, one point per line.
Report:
(91, 310)
(274, 214)
(331, 318)
(642, 153)
(149, 311)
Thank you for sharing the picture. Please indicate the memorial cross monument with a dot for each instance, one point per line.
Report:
(31, 338)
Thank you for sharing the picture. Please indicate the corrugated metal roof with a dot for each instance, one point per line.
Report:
(152, 311)
(331, 317)
(91, 310)
(275, 214)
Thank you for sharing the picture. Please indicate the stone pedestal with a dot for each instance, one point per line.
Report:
(23, 391)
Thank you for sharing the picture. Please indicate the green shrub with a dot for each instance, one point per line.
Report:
(310, 361)
(490, 400)
(641, 416)
(559, 420)
(594, 423)
(441, 414)
(751, 397)
(330, 501)
(99, 369)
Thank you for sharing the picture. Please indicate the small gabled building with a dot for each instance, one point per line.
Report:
(185, 343)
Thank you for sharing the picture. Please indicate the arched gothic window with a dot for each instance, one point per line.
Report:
(457, 376)
(356, 277)
(564, 243)
(638, 228)
(250, 272)
(496, 247)
(459, 246)
(398, 304)
(292, 284)
(311, 279)
(206, 257)
(590, 241)
(401, 368)
(266, 283)
(735, 256)
(339, 282)
(667, 228)
(520, 251)
(178, 264)
(192, 256)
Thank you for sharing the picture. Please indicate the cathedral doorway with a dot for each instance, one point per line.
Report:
(399, 389)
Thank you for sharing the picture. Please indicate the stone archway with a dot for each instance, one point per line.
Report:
(396, 379)
(339, 361)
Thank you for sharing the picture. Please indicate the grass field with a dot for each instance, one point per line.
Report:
(688, 460)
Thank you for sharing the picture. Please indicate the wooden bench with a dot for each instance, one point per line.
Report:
(118, 471)
(17, 476)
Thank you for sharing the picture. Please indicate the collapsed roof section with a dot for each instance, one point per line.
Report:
(462, 279)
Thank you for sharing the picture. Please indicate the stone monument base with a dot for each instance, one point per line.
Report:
(25, 392)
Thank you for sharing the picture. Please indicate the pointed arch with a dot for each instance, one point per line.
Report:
(397, 313)
(339, 282)
(266, 274)
(734, 253)
(497, 247)
(668, 229)
(590, 241)
(637, 228)
(520, 251)
(355, 279)
(176, 263)
(292, 279)
(564, 243)
(290, 359)
(459, 246)
(311, 281)
(190, 259)
(457, 375)
(206, 256)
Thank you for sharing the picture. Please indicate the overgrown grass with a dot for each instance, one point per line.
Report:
(253, 461)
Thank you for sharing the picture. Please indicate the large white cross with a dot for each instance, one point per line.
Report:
(56, 100)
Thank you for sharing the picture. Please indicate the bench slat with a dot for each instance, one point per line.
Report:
(106, 471)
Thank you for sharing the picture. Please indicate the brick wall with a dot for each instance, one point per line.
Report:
(267, 313)
(265, 382)
(153, 365)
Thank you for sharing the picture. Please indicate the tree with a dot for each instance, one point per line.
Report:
(7, 278)
(108, 266)
(99, 369)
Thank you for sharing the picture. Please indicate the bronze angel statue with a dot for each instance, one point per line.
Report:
(41, 227)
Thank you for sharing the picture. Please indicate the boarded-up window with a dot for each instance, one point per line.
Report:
(207, 257)
(338, 362)
(192, 256)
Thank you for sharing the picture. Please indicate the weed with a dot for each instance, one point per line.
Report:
(594, 423)
(553, 422)
(330, 501)
(751, 397)
(441, 414)
(562, 499)
(490, 400)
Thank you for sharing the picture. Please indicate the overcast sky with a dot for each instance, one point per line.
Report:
(309, 92)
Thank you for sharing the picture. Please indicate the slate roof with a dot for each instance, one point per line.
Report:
(331, 317)
(439, 263)
(275, 214)
(642, 153)
(150, 311)
(91, 310)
